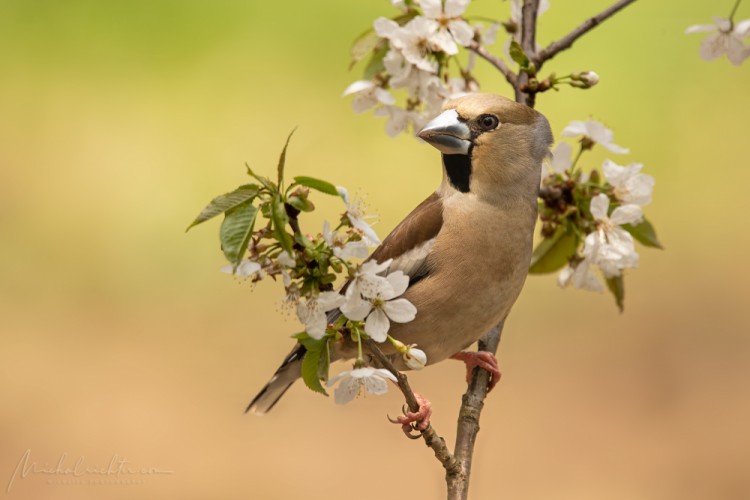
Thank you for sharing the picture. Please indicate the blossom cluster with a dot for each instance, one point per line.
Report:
(726, 37)
(309, 266)
(414, 52)
(591, 226)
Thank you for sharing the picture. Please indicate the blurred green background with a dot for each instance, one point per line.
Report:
(120, 119)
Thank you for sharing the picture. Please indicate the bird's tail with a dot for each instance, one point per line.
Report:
(289, 371)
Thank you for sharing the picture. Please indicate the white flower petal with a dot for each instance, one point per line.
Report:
(400, 310)
(375, 385)
(461, 31)
(386, 28)
(382, 372)
(455, 8)
(742, 29)
(700, 28)
(359, 86)
(575, 128)
(399, 281)
(627, 214)
(347, 390)
(600, 206)
(355, 307)
(561, 157)
(286, 260)
(713, 46)
(328, 301)
(377, 325)
(431, 8)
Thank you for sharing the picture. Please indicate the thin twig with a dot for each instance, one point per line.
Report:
(468, 419)
(498, 63)
(565, 42)
(431, 437)
(528, 44)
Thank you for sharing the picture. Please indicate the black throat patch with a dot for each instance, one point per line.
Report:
(458, 168)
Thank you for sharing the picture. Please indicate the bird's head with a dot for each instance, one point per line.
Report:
(491, 145)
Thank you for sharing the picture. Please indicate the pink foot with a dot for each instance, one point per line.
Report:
(418, 421)
(482, 359)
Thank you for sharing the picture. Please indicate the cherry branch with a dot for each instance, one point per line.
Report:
(565, 42)
(498, 63)
(431, 438)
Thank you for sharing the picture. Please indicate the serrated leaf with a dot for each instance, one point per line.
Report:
(236, 230)
(616, 285)
(375, 64)
(554, 252)
(311, 370)
(280, 219)
(362, 45)
(282, 160)
(317, 184)
(517, 54)
(225, 202)
(644, 233)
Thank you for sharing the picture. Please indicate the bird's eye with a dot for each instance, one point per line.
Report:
(488, 122)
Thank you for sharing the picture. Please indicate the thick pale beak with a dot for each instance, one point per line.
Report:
(447, 133)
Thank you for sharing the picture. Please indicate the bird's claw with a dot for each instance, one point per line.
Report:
(482, 359)
(414, 420)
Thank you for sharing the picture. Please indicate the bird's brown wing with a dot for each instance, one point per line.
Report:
(409, 244)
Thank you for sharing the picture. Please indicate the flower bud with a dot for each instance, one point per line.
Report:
(416, 359)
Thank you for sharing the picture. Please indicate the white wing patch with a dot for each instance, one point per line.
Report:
(413, 261)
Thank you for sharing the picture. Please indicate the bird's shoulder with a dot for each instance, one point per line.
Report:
(411, 241)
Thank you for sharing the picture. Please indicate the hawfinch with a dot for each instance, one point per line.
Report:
(467, 247)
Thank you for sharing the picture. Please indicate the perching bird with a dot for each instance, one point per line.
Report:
(467, 247)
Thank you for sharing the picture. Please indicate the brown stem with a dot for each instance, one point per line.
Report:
(528, 44)
(565, 42)
(498, 63)
(431, 437)
(468, 419)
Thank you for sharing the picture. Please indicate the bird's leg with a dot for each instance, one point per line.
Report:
(418, 420)
(482, 359)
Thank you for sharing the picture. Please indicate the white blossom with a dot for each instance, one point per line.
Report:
(245, 269)
(581, 276)
(286, 260)
(611, 247)
(372, 380)
(313, 311)
(343, 249)
(378, 306)
(725, 38)
(561, 158)
(367, 95)
(590, 78)
(448, 13)
(630, 185)
(416, 359)
(355, 214)
(399, 119)
(413, 39)
(596, 132)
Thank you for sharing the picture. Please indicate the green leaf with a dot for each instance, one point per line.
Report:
(263, 180)
(311, 367)
(517, 54)
(644, 233)
(225, 202)
(554, 252)
(317, 184)
(301, 204)
(282, 160)
(362, 45)
(616, 285)
(236, 230)
(375, 64)
(280, 219)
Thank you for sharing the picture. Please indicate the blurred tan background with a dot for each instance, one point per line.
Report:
(121, 340)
